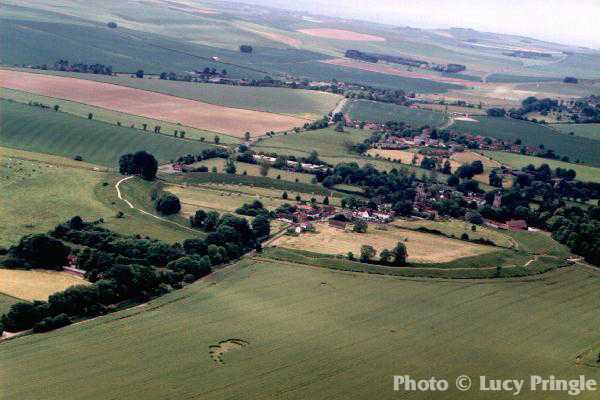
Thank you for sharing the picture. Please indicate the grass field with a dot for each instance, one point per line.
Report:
(422, 247)
(590, 131)
(254, 170)
(372, 111)
(584, 172)
(6, 301)
(575, 147)
(41, 191)
(254, 185)
(114, 117)
(309, 104)
(314, 333)
(193, 198)
(36, 284)
(34, 129)
(327, 142)
(456, 228)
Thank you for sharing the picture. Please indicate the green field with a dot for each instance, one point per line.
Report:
(254, 170)
(590, 131)
(34, 129)
(114, 117)
(584, 172)
(140, 46)
(314, 334)
(372, 111)
(6, 301)
(575, 147)
(41, 191)
(201, 178)
(507, 78)
(327, 142)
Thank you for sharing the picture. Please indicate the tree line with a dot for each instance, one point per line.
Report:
(122, 269)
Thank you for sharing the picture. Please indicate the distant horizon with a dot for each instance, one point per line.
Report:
(546, 20)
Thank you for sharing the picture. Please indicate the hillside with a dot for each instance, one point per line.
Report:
(46, 131)
(363, 325)
(575, 147)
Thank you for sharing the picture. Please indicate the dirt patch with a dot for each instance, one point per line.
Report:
(466, 119)
(227, 120)
(389, 70)
(422, 247)
(277, 37)
(341, 34)
(216, 351)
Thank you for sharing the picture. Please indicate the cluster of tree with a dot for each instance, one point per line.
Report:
(388, 187)
(318, 124)
(468, 171)
(206, 154)
(246, 48)
(228, 228)
(141, 163)
(586, 110)
(395, 257)
(381, 95)
(253, 209)
(123, 268)
(98, 69)
(167, 204)
(362, 56)
(533, 104)
(496, 112)
(199, 75)
(579, 229)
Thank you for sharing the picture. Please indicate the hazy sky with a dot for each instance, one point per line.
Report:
(575, 22)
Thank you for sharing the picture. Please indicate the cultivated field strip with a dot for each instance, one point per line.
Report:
(315, 333)
(226, 120)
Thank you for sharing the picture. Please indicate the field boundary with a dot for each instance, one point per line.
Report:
(318, 260)
(2, 67)
(121, 112)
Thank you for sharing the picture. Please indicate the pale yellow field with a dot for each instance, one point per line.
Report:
(422, 247)
(406, 157)
(36, 284)
(467, 157)
(193, 198)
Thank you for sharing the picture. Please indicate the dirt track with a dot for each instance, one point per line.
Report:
(214, 118)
